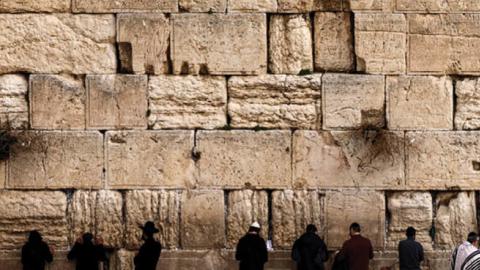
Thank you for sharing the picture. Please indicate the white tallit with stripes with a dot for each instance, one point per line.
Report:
(472, 262)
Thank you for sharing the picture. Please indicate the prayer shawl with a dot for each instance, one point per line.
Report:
(472, 262)
(460, 254)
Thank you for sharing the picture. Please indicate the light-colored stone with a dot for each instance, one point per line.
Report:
(466, 25)
(370, 5)
(203, 219)
(53, 159)
(202, 42)
(438, 6)
(298, 6)
(365, 207)
(161, 207)
(202, 5)
(116, 101)
(14, 6)
(290, 44)
(348, 159)
(244, 208)
(57, 102)
(240, 158)
(292, 211)
(380, 42)
(3, 174)
(443, 160)
(97, 212)
(187, 102)
(13, 102)
(143, 43)
(332, 5)
(419, 102)
(467, 114)
(165, 159)
(252, 6)
(455, 217)
(353, 101)
(57, 43)
(275, 101)
(108, 6)
(22, 212)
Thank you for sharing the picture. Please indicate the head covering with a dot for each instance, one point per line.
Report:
(87, 238)
(34, 237)
(149, 228)
(255, 225)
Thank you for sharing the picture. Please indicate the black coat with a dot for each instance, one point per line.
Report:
(410, 254)
(251, 252)
(88, 256)
(148, 255)
(35, 255)
(310, 252)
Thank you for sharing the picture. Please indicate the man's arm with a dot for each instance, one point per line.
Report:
(371, 249)
(73, 252)
(239, 251)
(264, 252)
(48, 256)
(421, 255)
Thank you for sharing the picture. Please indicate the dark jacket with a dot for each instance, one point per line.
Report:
(35, 255)
(357, 251)
(88, 256)
(148, 255)
(410, 254)
(251, 252)
(310, 252)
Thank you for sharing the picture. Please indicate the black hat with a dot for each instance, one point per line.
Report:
(149, 228)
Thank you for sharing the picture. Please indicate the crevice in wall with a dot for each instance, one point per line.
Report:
(454, 103)
(270, 215)
(180, 218)
(388, 217)
(267, 37)
(312, 37)
(226, 194)
(433, 231)
(68, 214)
(354, 51)
(124, 216)
(227, 110)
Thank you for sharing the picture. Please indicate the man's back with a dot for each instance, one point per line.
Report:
(308, 247)
(148, 255)
(357, 251)
(251, 252)
(410, 253)
(35, 255)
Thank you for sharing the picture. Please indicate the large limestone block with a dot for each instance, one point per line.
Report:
(149, 159)
(365, 207)
(467, 109)
(353, 101)
(97, 212)
(466, 25)
(252, 6)
(13, 102)
(290, 44)
(370, 5)
(14, 6)
(244, 158)
(203, 5)
(440, 160)
(203, 219)
(419, 102)
(187, 102)
(244, 208)
(57, 102)
(22, 212)
(57, 43)
(53, 159)
(333, 41)
(438, 6)
(275, 101)
(455, 217)
(380, 43)
(348, 159)
(109, 6)
(116, 101)
(201, 43)
(143, 42)
(292, 211)
(161, 207)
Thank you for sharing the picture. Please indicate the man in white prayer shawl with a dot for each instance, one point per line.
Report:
(462, 252)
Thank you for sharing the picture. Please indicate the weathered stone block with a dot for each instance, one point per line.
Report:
(467, 114)
(331, 5)
(22, 212)
(466, 25)
(57, 102)
(13, 102)
(380, 42)
(419, 102)
(60, 43)
(161, 207)
(203, 219)
(290, 46)
(439, 160)
(252, 6)
(108, 6)
(143, 43)
(14, 6)
(363, 206)
(117, 101)
(333, 41)
(292, 211)
(305, 6)
(187, 102)
(455, 217)
(244, 158)
(348, 159)
(438, 6)
(196, 46)
(353, 101)
(370, 5)
(203, 5)
(244, 208)
(97, 212)
(275, 101)
(53, 159)
(165, 159)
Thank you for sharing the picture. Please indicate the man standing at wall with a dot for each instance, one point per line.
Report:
(252, 250)
(357, 251)
(462, 252)
(410, 252)
(309, 251)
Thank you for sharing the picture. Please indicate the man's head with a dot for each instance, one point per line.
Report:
(87, 238)
(254, 228)
(311, 228)
(411, 232)
(355, 228)
(34, 237)
(473, 238)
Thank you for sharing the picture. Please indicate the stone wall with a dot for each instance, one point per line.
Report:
(204, 116)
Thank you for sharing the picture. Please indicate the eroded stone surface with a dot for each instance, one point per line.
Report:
(202, 5)
(438, 6)
(240, 158)
(467, 114)
(370, 5)
(196, 48)
(187, 102)
(13, 101)
(80, 44)
(14, 6)
(252, 6)
(275, 101)
(108, 6)
(165, 159)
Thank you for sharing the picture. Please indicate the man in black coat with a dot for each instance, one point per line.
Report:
(251, 250)
(410, 252)
(149, 253)
(309, 251)
(88, 253)
(35, 253)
